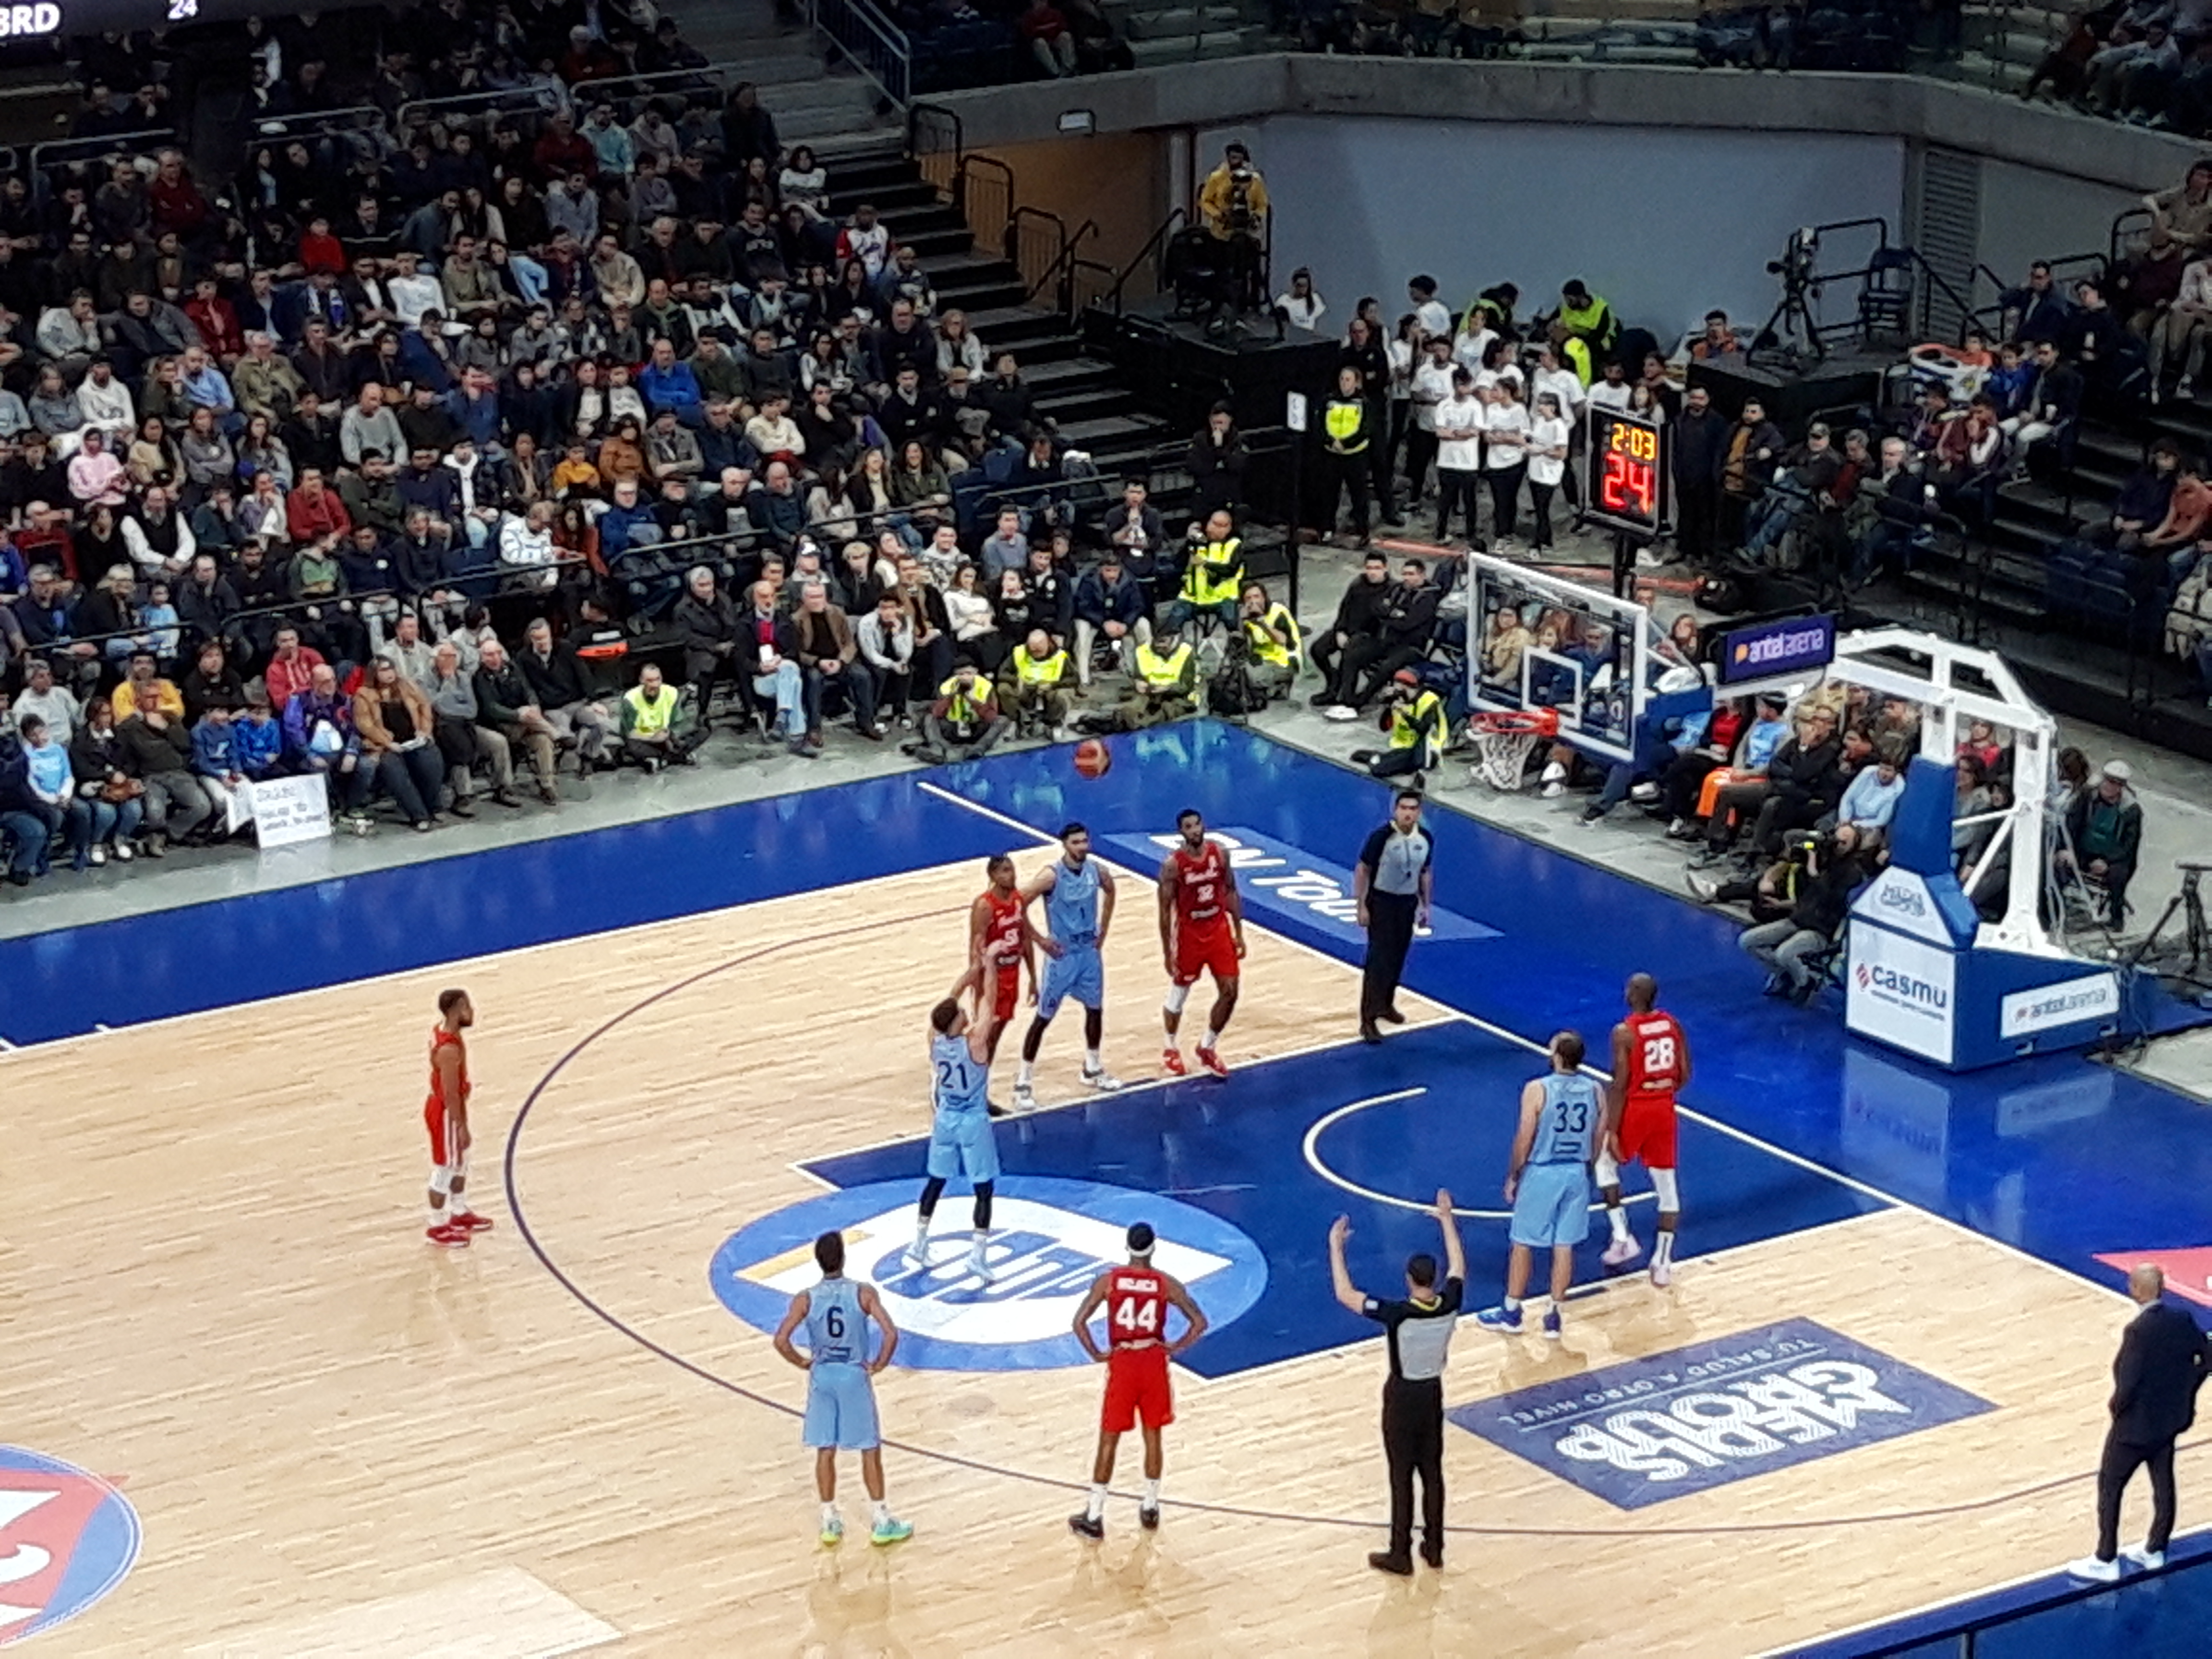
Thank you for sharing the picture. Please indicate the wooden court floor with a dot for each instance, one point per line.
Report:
(341, 1442)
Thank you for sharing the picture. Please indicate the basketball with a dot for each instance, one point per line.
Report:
(1092, 758)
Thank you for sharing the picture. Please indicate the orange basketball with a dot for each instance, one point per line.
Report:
(1092, 758)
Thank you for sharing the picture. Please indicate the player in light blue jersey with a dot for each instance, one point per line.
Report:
(1077, 891)
(960, 1140)
(1562, 1115)
(841, 1399)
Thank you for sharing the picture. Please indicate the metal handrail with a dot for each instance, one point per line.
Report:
(871, 42)
(95, 147)
(972, 186)
(1177, 219)
(468, 105)
(320, 124)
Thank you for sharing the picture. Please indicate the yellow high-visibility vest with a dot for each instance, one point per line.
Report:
(1038, 670)
(966, 705)
(1161, 672)
(1216, 573)
(1342, 420)
(1412, 723)
(651, 715)
(1264, 648)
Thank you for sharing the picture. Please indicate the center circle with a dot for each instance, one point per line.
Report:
(1050, 1239)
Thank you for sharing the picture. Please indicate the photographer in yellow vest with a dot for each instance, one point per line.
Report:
(1212, 576)
(1163, 685)
(1414, 718)
(1272, 632)
(1033, 686)
(657, 724)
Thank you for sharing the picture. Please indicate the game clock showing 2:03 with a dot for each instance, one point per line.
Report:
(1624, 476)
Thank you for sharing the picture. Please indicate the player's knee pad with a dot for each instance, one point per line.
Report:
(1177, 995)
(1670, 1197)
(1608, 1171)
(441, 1179)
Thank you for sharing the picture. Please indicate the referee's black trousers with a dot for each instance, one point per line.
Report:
(2121, 1461)
(1413, 1442)
(1390, 936)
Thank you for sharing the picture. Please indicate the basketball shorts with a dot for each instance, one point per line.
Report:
(1137, 1387)
(1080, 975)
(1006, 993)
(1204, 950)
(439, 1122)
(1647, 1133)
(961, 1142)
(841, 1409)
(1551, 1206)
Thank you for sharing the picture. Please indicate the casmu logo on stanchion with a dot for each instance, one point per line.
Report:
(1699, 1416)
(1049, 1239)
(1289, 882)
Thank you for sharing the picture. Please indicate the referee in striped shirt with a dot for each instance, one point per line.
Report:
(1391, 884)
(1420, 1331)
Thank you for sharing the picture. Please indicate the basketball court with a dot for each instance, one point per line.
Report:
(273, 1422)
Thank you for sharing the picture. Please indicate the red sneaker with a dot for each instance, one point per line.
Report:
(447, 1237)
(1172, 1058)
(1211, 1061)
(470, 1221)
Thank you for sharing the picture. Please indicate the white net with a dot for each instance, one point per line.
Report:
(1502, 757)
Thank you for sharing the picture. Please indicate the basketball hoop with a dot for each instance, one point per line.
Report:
(1505, 737)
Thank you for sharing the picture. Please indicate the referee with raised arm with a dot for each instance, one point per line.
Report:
(1420, 1331)
(1391, 885)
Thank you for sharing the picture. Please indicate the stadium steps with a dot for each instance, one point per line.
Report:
(1082, 394)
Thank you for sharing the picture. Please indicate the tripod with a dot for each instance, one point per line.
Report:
(2190, 900)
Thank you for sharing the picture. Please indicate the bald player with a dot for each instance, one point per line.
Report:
(1650, 1066)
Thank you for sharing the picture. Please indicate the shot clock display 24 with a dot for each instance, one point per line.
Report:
(1625, 473)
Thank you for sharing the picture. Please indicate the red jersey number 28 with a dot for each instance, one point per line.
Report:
(1659, 1056)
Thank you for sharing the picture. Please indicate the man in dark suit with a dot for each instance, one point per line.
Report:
(2162, 1362)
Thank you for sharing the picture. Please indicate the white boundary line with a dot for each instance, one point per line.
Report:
(1311, 1149)
(1729, 1130)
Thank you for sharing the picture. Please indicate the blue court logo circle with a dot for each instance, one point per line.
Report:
(1049, 1240)
(67, 1538)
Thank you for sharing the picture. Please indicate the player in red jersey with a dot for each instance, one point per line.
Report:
(1137, 1298)
(1003, 941)
(1650, 1066)
(1201, 931)
(445, 1114)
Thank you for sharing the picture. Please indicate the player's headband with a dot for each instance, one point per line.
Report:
(1140, 1238)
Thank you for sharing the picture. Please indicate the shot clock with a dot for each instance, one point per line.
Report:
(1624, 476)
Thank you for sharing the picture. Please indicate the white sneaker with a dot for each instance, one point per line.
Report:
(1662, 1274)
(977, 1266)
(1103, 1080)
(1337, 711)
(2143, 1556)
(1642, 793)
(1554, 790)
(1554, 772)
(1621, 1252)
(2096, 1572)
(97, 857)
(125, 852)
(917, 1255)
(1024, 1097)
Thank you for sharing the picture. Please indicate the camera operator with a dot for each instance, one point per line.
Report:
(1833, 869)
(1415, 717)
(1233, 202)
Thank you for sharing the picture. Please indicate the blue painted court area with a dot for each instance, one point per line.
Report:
(2059, 1155)
(1236, 1149)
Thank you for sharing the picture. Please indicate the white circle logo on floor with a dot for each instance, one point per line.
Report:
(1049, 1239)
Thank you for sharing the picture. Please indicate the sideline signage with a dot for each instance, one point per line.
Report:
(1798, 644)
(1903, 991)
(1703, 1416)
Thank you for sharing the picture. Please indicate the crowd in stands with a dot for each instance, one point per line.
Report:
(534, 440)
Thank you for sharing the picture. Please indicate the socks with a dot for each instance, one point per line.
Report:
(1211, 1037)
(921, 1236)
(1617, 1218)
(982, 1237)
(1097, 1509)
(438, 1217)
(883, 1512)
(1513, 1304)
(828, 1513)
(1662, 1249)
(457, 1205)
(1027, 1074)
(1092, 1063)
(1151, 1494)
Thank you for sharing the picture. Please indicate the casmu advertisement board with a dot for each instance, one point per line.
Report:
(1902, 992)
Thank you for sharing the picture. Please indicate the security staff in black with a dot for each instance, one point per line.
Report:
(1347, 424)
(1391, 884)
(1420, 1330)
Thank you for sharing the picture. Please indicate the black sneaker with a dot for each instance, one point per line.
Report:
(1384, 1561)
(1083, 1525)
(1433, 1554)
(1149, 1519)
